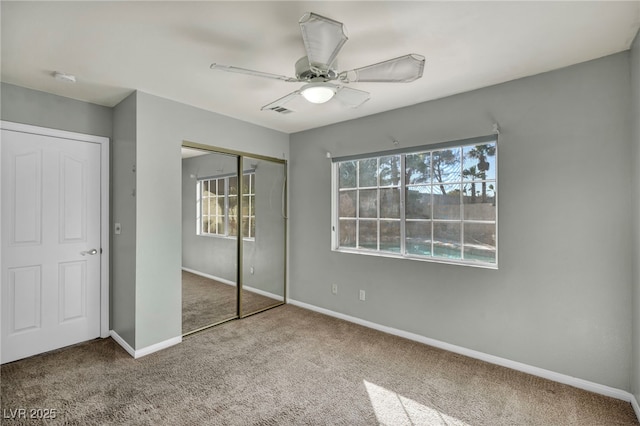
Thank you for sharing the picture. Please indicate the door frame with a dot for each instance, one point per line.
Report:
(104, 204)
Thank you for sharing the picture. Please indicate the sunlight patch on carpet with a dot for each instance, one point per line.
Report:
(394, 409)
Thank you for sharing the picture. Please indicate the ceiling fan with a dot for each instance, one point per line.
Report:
(323, 38)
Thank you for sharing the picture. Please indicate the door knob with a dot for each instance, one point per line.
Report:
(91, 252)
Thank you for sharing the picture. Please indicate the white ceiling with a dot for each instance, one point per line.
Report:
(165, 48)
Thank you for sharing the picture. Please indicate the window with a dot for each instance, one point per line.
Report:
(249, 206)
(218, 206)
(431, 204)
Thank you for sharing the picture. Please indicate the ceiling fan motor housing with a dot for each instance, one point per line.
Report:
(304, 71)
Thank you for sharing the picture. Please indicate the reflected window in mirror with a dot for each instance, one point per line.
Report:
(217, 206)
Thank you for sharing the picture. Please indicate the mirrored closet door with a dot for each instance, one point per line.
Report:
(263, 227)
(209, 239)
(233, 235)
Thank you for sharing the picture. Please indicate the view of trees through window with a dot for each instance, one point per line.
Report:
(218, 206)
(428, 204)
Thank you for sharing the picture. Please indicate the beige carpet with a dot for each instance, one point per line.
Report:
(289, 366)
(206, 301)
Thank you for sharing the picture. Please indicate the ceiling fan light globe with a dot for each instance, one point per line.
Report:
(318, 94)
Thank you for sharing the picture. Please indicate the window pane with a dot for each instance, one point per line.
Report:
(446, 166)
(252, 202)
(233, 215)
(347, 204)
(368, 203)
(446, 240)
(233, 185)
(209, 206)
(482, 205)
(418, 168)
(253, 227)
(368, 234)
(390, 203)
(418, 202)
(418, 238)
(481, 159)
(221, 187)
(220, 230)
(446, 202)
(245, 205)
(233, 226)
(220, 203)
(347, 233)
(205, 188)
(205, 225)
(347, 174)
(471, 174)
(480, 242)
(245, 183)
(368, 173)
(245, 227)
(390, 235)
(217, 206)
(205, 206)
(389, 171)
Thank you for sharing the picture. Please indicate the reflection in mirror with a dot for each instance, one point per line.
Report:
(209, 248)
(263, 210)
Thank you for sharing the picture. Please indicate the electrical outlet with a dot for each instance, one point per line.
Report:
(334, 288)
(252, 270)
(362, 295)
(117, 228)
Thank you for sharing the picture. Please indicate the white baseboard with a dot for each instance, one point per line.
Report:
(147, 350)
(158, 346)
(535, 371)
(211, 277)
(635, 405)
(224, 281)
(264, 293)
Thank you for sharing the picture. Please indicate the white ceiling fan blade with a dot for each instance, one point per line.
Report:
(323, 38)
(399, 70)
(279, 105)
(229, 68)
(351, 97)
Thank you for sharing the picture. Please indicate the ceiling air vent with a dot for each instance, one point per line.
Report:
(281, 110)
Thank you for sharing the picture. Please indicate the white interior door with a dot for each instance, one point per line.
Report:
(51, 234)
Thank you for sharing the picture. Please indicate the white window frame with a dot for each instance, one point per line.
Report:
(335, 194)
(246, 198)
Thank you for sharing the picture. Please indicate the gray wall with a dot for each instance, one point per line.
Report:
(27, 106)
(635, 113)
(123, 211)
(162, 126)
(561, 297)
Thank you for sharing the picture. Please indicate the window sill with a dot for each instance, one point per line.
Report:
(418, 258)
(225, 237)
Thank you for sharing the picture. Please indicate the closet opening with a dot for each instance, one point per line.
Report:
(233, 235)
